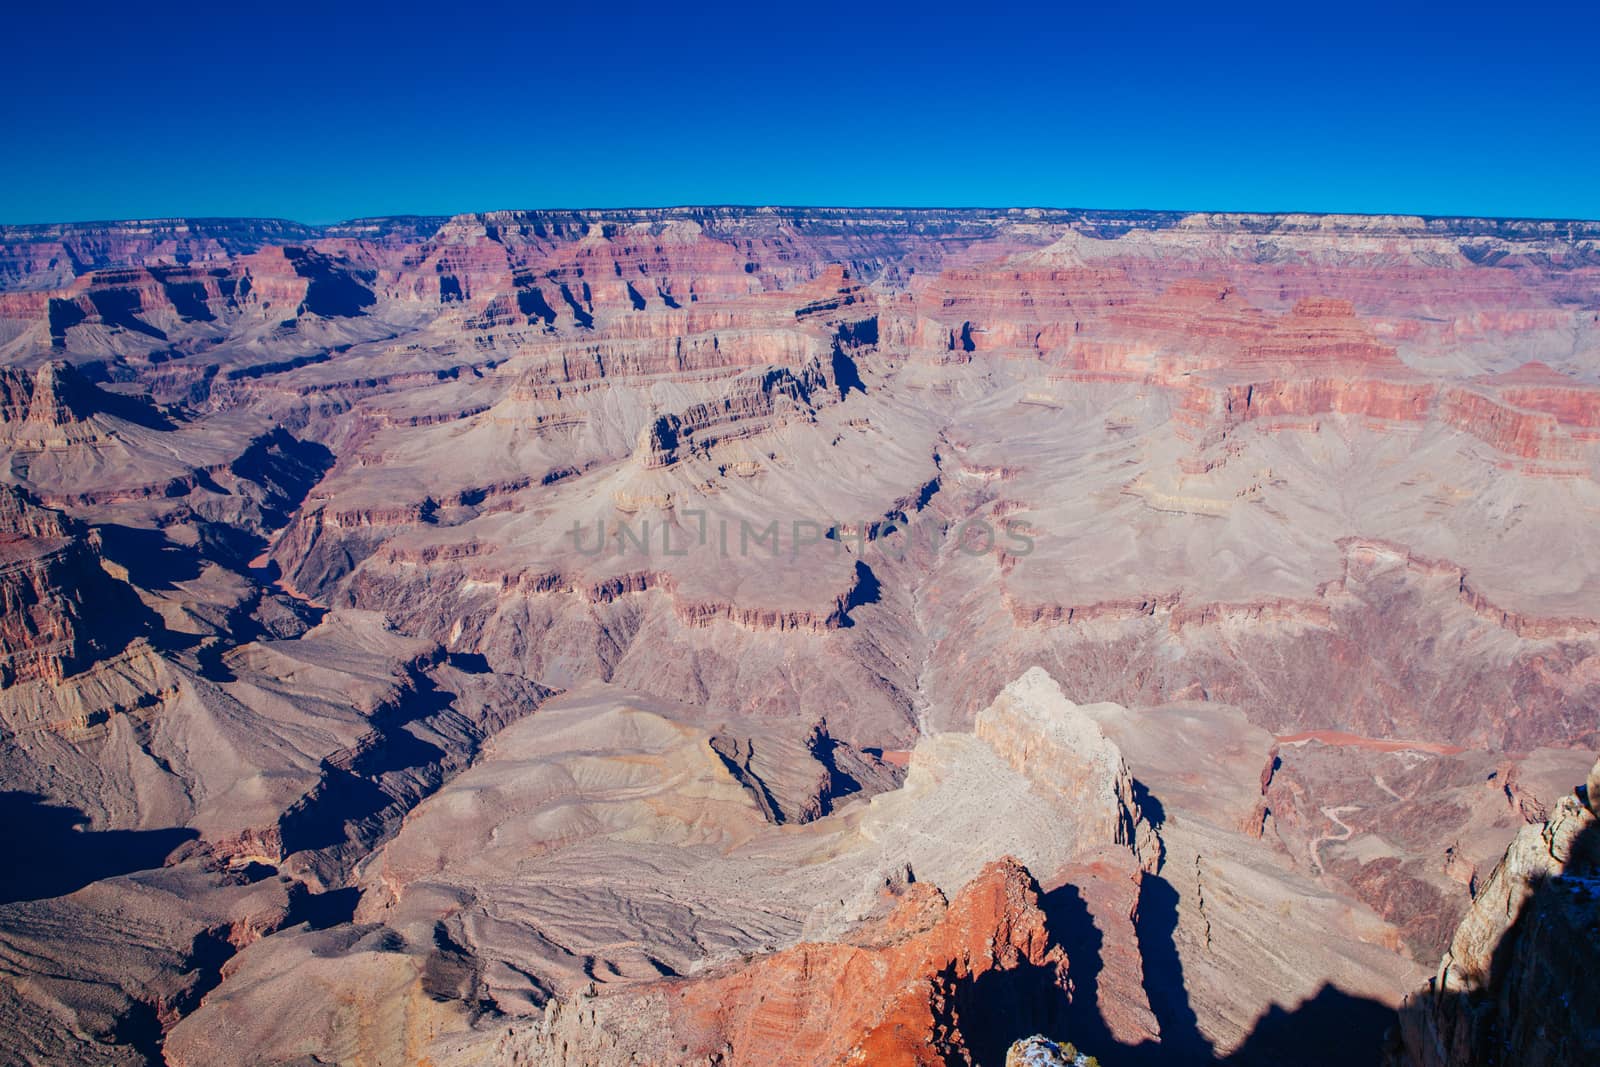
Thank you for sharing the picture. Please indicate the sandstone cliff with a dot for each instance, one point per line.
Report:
(1036, 729)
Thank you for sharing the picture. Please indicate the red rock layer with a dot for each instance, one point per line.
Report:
(55, 395)
(49, 574)
(373, 591)
(924, 965)
(1229, 362)
(1361, 556)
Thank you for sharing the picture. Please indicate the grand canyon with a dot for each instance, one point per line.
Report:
(769, 636)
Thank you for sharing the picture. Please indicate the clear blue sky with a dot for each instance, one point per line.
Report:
(325, 111)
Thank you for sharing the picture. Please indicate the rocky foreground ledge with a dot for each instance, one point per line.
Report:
(1042, 1052)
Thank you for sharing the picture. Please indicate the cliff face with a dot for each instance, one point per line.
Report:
(1033, 727)
(53, 396)
(59, 607)
(1515, 985)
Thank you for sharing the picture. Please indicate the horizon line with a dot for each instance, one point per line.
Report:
(781, 208)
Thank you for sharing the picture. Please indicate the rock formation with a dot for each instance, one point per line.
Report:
(1036, 729)
(949, 980)
(445, 615)
(1042, 1052)
(1515, 984)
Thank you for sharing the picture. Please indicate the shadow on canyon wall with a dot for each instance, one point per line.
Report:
(1503, 1019)
(47, 855)
(1333, 1027)
(1535, 1003)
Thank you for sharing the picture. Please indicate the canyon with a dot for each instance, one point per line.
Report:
(800, 636)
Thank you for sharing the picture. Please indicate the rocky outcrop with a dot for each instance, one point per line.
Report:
(42, 255)
(740, 412)
(1336, 623)
(1045, 737)
(951, 981)
(1042, 1052)
(1534, 435)
(1366, 554)
(1516, 984)
(800, 781)
(58, 607)
(55, 395)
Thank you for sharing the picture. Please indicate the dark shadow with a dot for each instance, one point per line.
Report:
(152, 561)
(1551, 945)
(112, 615)
(998, 1006)
(579, 312)
(320, 819)
(531, 302)
(332, 290)
(1148, 805)
(252, 872)
(63, 315)
(188, 297)
(1156, 926)
(842, 764)
(139, 410)
(287, 468)
(1332, 1029)
(84, 397)
(277, 617)
(469, 662)
(48, 855)
(334, 907)
(117, 307)
(449, 971)
(1538, 1001)
(846, 375)
(232, 546)
(358, 798)
(556, 474)
(140, 1030)
(866, 589)
(1074, 929)
(208, 658)
(736, 755)
(277, 366)
(860, 333)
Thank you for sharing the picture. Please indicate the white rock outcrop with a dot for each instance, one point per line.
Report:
(1060, 748)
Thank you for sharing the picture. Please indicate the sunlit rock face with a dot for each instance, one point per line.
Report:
(541, 636)
(1514, 985)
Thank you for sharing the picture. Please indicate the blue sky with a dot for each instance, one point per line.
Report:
(330, 111)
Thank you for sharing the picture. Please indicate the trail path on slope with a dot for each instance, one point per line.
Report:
(1332, 814)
